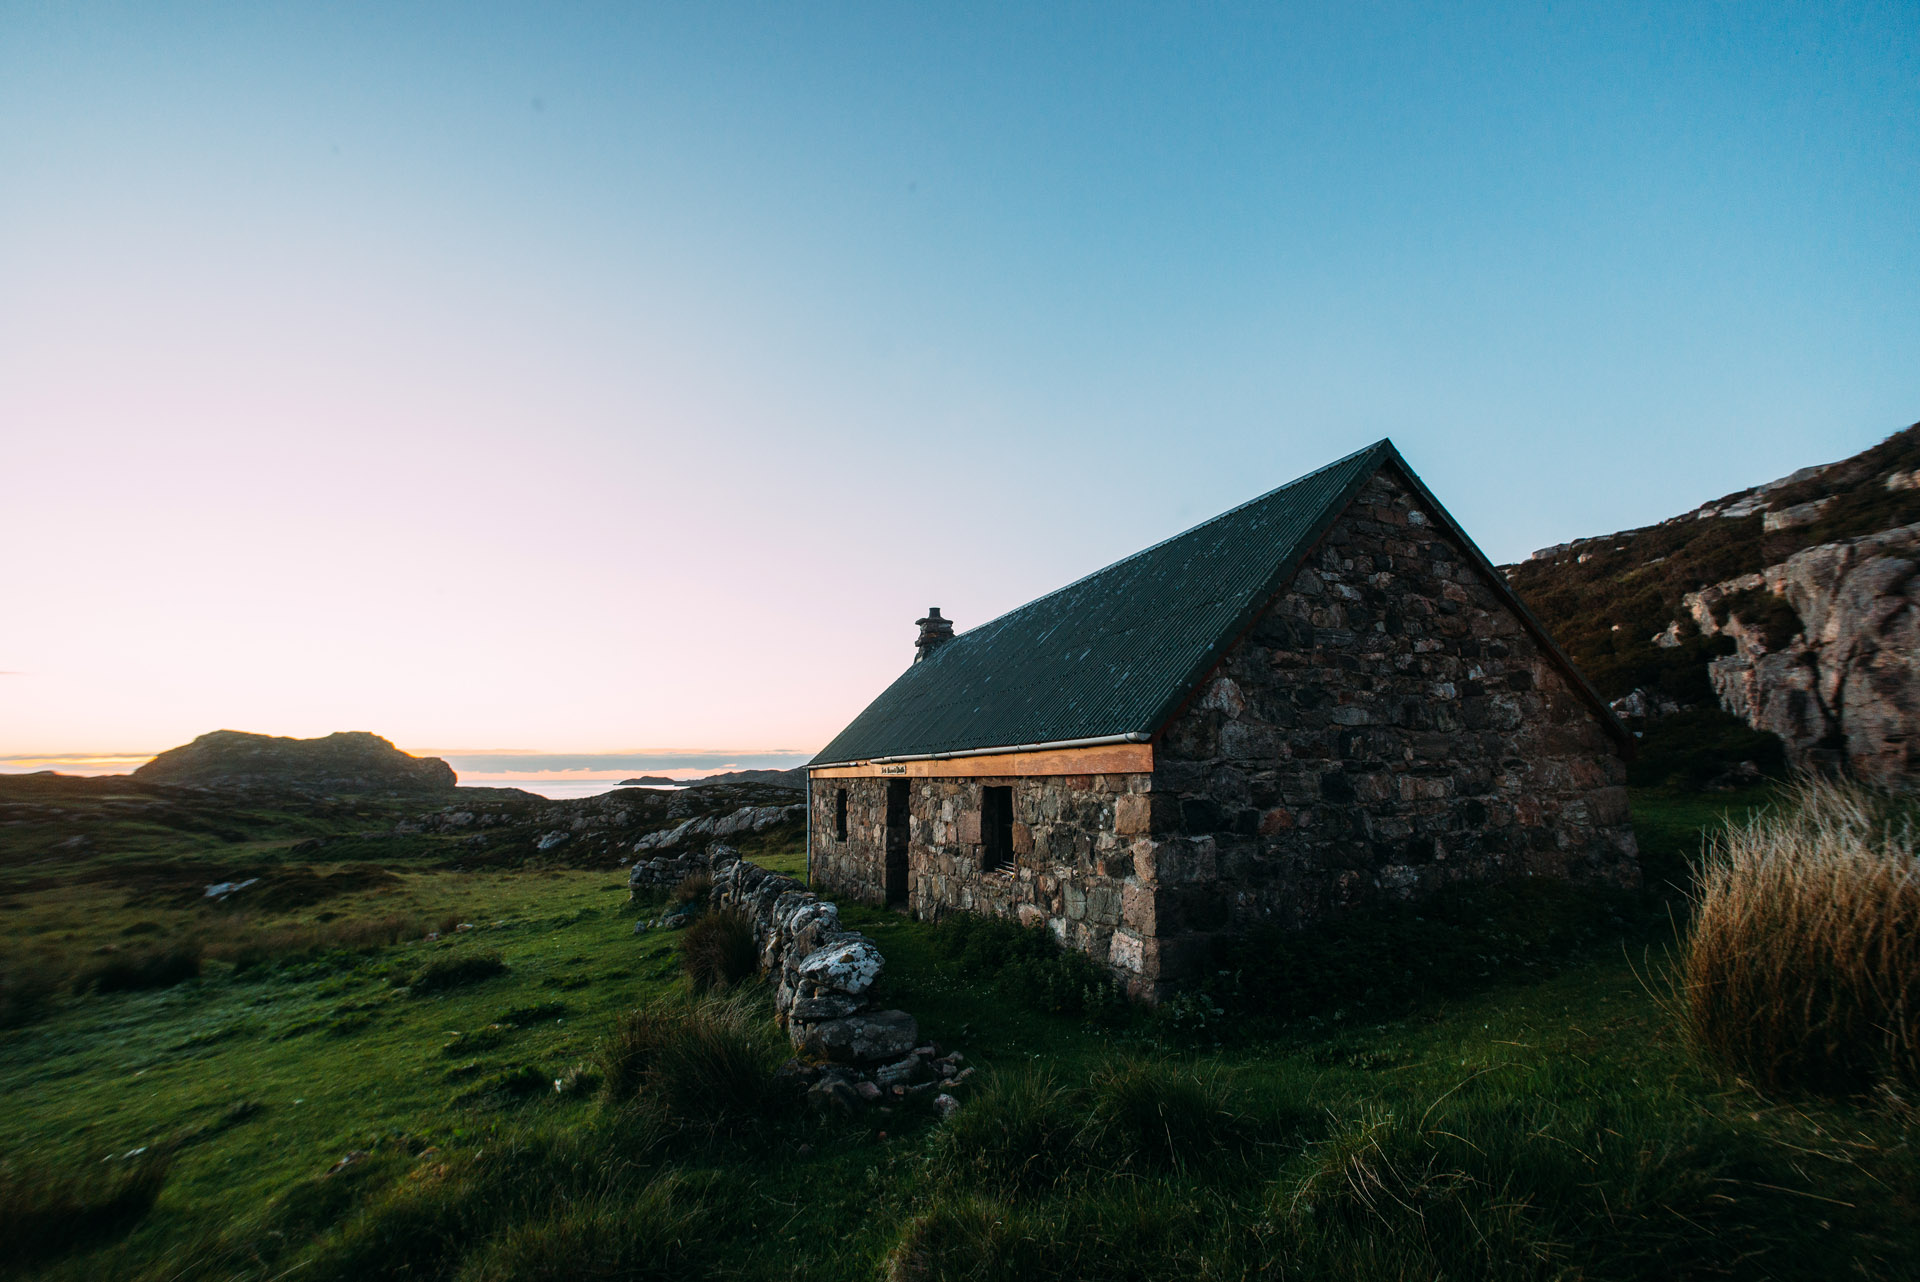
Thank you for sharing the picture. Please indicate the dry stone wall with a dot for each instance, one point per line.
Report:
(823, 976)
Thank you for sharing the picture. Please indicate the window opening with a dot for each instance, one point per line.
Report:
(840, 815)
(996, 827)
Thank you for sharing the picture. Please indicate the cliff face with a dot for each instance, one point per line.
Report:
(353, 761)
(1845, 687)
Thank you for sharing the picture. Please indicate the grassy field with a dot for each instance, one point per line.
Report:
(1547, 1124)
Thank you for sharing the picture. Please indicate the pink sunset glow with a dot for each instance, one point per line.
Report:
(485, 382)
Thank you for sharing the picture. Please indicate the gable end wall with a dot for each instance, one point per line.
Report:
(1387, 726)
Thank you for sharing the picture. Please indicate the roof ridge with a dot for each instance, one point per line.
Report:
(1385, 441)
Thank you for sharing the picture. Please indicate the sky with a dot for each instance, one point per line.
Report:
(626, 379)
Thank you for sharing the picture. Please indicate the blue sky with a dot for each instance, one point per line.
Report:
(593, 378)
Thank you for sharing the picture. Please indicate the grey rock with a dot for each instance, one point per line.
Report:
(833, 1096)
(945, 1105)
(902, 1072)
(824, 1007)
(860, 1039)
(849, 965)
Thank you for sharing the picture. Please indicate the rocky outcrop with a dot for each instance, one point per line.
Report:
(1845, 690)
(353, 761)
(747, 819)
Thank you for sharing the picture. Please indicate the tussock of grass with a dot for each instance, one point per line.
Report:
(443, 973)
(1158, 1116)
(1029, 1129)
(1802, 968)
(692, 889)
(709, 1060)
(1522, 1179)
(45, 1214)
(718, 950)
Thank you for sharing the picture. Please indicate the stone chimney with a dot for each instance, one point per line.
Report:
(934, 632)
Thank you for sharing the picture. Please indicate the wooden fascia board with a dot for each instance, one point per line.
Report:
(1106, 759)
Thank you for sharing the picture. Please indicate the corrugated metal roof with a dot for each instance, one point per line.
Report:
(1116, 652)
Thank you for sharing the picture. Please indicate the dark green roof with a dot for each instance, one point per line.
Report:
(1117, 652)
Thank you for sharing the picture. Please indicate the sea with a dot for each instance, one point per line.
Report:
(558, 789)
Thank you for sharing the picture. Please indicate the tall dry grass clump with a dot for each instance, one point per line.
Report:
(1802, 969)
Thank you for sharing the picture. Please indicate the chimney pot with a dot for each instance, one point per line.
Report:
(934, 632)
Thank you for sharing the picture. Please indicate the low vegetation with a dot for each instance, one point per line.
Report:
(1802, 968)
(45, 1213)
(710, 1060)
(1488, 1087)
(718, 949)
(443, 973)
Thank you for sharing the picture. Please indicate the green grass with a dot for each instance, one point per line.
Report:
(1526, 1127)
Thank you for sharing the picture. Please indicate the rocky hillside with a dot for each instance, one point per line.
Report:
(1792, 605)
(351, 761)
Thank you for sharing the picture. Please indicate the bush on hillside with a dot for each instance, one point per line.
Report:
(1802, 967)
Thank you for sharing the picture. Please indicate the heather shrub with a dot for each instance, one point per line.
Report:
(718, 949)
(1802, 966)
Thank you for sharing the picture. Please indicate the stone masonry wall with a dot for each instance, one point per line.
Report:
(1387, 727)
(1070, 868)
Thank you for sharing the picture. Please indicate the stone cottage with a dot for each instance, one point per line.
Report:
(1322, 698)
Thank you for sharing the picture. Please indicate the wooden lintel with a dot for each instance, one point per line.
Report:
(1109, 759)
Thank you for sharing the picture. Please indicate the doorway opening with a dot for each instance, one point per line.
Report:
(898, 822)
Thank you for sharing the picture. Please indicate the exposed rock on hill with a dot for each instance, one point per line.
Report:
(1844, 685)
(351, 761)
(1792, 605)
